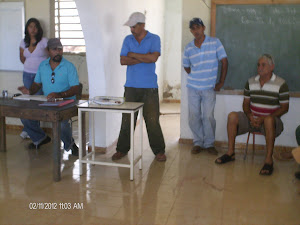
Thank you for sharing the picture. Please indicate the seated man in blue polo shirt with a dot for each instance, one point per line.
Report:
(58, 78)
(139, 52)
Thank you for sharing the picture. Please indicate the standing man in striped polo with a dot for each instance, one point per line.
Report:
(200, 61)
(266, 99)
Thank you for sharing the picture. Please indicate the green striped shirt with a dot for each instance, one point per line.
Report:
(266, 99)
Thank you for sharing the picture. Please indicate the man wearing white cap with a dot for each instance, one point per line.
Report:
(139, 53)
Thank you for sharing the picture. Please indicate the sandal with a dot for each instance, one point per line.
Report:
(268, 168)
(225, 158)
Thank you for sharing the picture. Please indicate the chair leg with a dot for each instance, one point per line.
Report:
(246, 151)
(253, 148)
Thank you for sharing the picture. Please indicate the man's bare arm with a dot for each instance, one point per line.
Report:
(65, 94)
(145, 58)
(224, 68)
(125, 60)
(35, 87)
(284, 108)
(246, 108)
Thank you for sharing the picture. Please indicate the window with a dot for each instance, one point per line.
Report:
(68, 27)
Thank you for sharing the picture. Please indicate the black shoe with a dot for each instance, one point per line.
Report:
(45, 141)
(75, 150)
(297, 175)
(118, 155)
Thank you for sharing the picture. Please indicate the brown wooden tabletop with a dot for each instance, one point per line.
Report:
(32, 110)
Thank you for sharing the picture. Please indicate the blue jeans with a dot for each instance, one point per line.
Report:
(37, 135)
(28, 79)
(201, 116)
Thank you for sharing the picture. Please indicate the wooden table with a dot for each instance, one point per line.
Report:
(32, 110)
(127, 107)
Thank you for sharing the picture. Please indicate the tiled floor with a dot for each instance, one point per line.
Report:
(186, 189)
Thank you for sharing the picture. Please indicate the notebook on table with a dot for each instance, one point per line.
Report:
(57, 103)
(31, 97)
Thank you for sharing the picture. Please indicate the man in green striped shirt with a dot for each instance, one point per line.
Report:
(266, 99)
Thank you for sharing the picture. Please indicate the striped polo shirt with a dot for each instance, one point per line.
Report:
(203, 62)
(266, 99)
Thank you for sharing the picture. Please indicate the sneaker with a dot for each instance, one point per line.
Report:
(212, 150)
(24, 135)
(45, 141)
(118, 155)
(75, 150)
(196, 149)
(161, 157)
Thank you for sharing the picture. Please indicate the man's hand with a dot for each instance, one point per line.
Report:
(187, 70)
(52, 96)
(24, 90)
(218, 86)
(256, 121)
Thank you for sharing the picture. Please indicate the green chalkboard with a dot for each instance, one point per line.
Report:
(247, 31)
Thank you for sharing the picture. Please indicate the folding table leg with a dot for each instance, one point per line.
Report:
(131, 144)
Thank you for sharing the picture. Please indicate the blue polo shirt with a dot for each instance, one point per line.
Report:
(65, 77)
(141, 75)
(203, 62)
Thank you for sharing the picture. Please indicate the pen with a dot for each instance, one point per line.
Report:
(58, 99)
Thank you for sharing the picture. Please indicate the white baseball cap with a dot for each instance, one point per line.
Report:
(135, 18)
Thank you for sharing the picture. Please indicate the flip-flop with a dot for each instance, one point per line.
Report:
(225, 158)
(268, 168)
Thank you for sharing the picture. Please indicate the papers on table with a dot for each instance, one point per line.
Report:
(31, 98)
(107, 100)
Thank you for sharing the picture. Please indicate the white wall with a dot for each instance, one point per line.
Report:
(172, 49)
(102, 23)
(33, 8)
(227, 103)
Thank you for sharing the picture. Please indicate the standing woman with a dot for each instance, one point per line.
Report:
(32, 52)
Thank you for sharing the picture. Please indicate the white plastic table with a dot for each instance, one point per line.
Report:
(126, 107)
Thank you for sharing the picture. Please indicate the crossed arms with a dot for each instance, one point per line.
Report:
(135, 58)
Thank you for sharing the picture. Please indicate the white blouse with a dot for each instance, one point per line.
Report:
(33, 59)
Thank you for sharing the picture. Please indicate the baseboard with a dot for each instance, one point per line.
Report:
(48, 130)
(85, 97)
(165, 100)
(224, 144)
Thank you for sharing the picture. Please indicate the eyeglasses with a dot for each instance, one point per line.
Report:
(52, 77)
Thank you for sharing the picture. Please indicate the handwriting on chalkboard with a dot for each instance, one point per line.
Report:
(248, 31)
(251, 16)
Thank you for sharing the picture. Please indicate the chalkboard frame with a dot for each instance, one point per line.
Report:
(214, 4)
